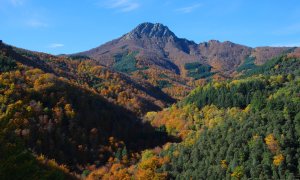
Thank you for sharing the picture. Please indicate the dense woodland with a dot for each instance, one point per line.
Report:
(243, 139)
(69, 118)
(239, 129)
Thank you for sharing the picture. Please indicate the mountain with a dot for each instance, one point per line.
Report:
(155, 45)
(150, 41)
(152, 52)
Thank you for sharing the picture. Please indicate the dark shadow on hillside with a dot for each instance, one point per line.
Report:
(151, 90)
(34, 62)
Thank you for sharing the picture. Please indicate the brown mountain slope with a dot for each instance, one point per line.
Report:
(262, 54)
(158, 47)
(155, 43)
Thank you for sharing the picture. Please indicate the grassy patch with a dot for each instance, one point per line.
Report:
(248, 64)
(163, 84)
(163, 76)
(197, 70)
(125, 62)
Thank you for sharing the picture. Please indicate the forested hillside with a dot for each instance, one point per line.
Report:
(135, 95)
(249, 128)
(242, 128)
(67, 123)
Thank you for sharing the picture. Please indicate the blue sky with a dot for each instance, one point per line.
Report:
(69, 26)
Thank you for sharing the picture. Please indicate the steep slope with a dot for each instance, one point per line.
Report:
(153, 44)
(224, 57)
(262, 54)
(144, 53)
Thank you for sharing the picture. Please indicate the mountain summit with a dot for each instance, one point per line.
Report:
(150, 30)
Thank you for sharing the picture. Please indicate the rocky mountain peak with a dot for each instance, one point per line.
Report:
(150, 30)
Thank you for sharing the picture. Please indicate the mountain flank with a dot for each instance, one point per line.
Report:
(156, 46)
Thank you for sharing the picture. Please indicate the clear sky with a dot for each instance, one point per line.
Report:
(69, 26)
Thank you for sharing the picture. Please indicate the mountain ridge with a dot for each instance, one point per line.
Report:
(159, 46)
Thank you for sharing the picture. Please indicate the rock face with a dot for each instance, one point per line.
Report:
(157, 46)
(150, 30)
